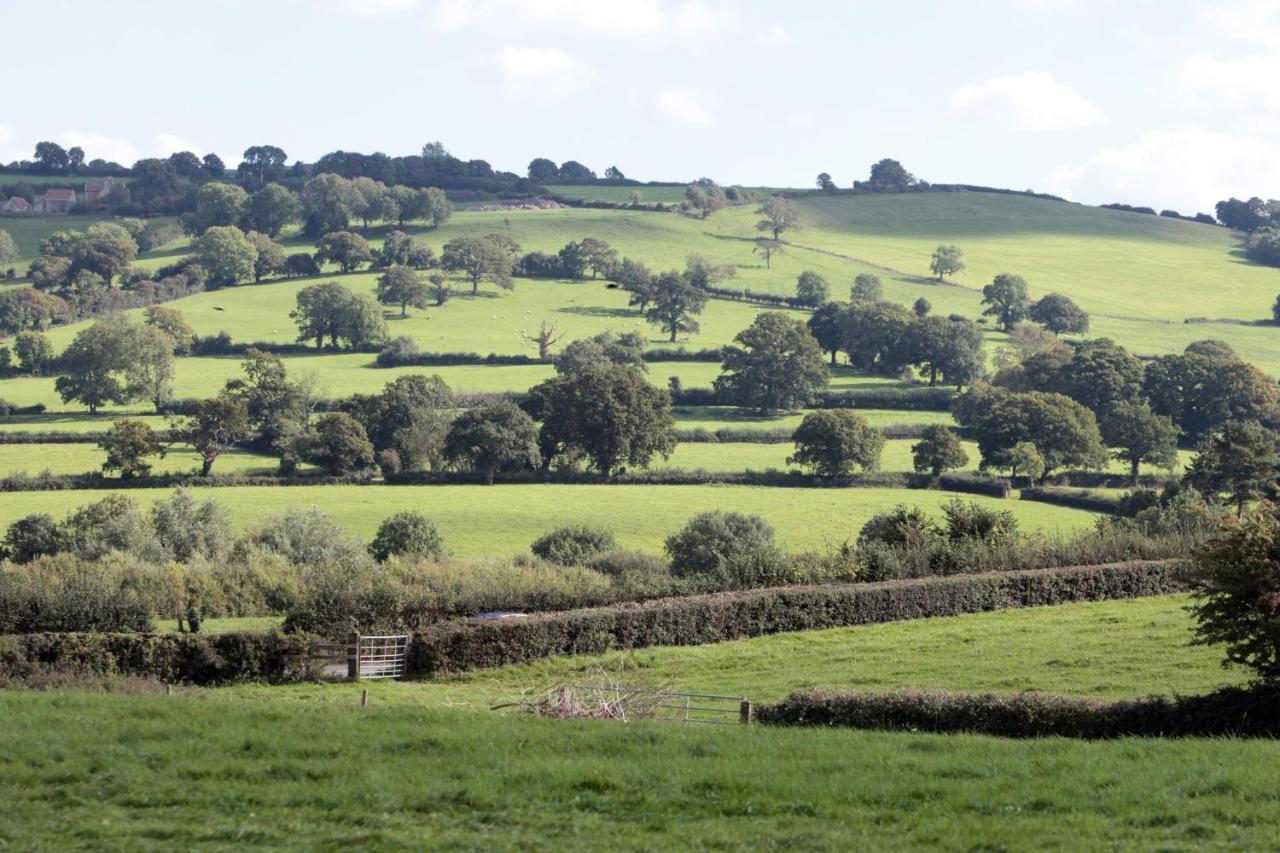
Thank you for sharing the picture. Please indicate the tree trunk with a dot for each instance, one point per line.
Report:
(475, 285)
(1134, 470)
(833, 358)
(404, 309)
(489, 475)
(933, 376)
(673, 334)
(206, 465)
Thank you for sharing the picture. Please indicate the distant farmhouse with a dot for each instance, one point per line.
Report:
(61, 199)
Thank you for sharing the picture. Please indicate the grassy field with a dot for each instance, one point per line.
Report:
(501, 520)
(84, 458)
(28, 231)
(428, 765)
(726, 417)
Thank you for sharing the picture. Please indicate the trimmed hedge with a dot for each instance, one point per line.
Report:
(45, 437)
(731, 435)
(1075, 498)
(189, 658)
(71, 482)
(695, 620)
(1231, 711)
(903, 399)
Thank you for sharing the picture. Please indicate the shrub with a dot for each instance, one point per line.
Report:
(715, 540)
(307, 537)
(639, 567)
(968, 520)
(407, 533)
(906, 526)
(185, 528)
(574, 545)
(67, 594)
(113, 524)
(1236, 581)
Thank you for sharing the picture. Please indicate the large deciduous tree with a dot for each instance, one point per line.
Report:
(832, 442)
(1140, 436)
(492, 438)
(774, 364)
(946, 261)
(402, 286)
(1059, 314)
(1064, 432)
(1006, 300)
(779, 214)
(227, 254)
(479, 259)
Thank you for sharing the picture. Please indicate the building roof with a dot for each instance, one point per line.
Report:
(93, 186)
(56, 194)
(19, 202)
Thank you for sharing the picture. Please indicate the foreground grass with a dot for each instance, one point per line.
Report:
(502, 520)
(305, 767)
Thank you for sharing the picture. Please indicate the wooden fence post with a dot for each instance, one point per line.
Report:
(353, 659)
(744, 712)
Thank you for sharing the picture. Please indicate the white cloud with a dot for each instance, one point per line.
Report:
(614, 17)
(96, 146)
(775, 36)
(1252, 21)
(1240, 82)
(169, 143)
(8, 147)
(1187, 169)
(1033, 100)
(544, 71)
(695, 19)
(683, 107)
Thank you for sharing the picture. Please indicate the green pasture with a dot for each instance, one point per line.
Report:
(428, 765)
(503, 519)
(28, 231)
(35, 459)
(712, 418)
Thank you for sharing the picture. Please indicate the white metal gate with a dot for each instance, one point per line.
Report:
(380, 657)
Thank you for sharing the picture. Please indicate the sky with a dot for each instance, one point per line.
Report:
(1165, 103)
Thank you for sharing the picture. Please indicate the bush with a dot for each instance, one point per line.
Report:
(633, 567)
(968, 520)
(67, 594)
(307, 537)
(409, 534)
(574, 545)
(905, 526)
(716, 540)
(113, 524)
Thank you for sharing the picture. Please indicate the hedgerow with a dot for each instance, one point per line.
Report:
(1231, 711)
(695, 620)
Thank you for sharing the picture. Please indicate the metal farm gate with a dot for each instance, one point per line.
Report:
(359, 658)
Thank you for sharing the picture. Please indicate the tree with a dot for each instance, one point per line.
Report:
(319, 312)
(213, 165)
(1006, 300)
(1202, 393)
(766, 249)
(613, 173)
(946, 261)
(611, 415)
(826, 324)
(217, 204)
(1211, 348)
(825, 183)
(407, 534)
(492, 438)
(186, 529)
(1100, 375)
(635, 278)
(598, 255)
(1235, 582)
(344, 248)
(812, 288)
(328, 202)
(276, 406)
(780, 214)
(214, 426)
(1263, 246)
(410, 417)
(272, 209)
(866, 286)
(543, 171)
(833, 441)
(573, 172)
(94, 365)
(271, 256)
(25, 308)
(154, 184)
(775, 363)
(675, 304)
(921, 308)
(172, 323)
(8, 248)
(341, 444)
(1140, 435)
(705, 199)
(938, 450)
(879, 337)
(1022, 457)
(1063, 431)
(31, 537)
(106, 249)
(34, 352)
(1244, 215)
(890, 176)
(479, 258)
(266, 159)
(1241, 462)
(51, 157)
(149, 371)
(227, 254)
(402, 286)
(127, 445)
(603, 349)
(1059, 314)
(75, 158)
(440, 289)
(545, 338)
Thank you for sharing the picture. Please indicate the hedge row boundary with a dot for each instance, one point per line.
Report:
(472, 644)
(1071, 497)
(1232, 711)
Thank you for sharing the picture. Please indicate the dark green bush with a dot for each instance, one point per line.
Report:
(715, 541)
(83, 598)
(969, 520)
(409, 534)
(33, 536)
(573, 545)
